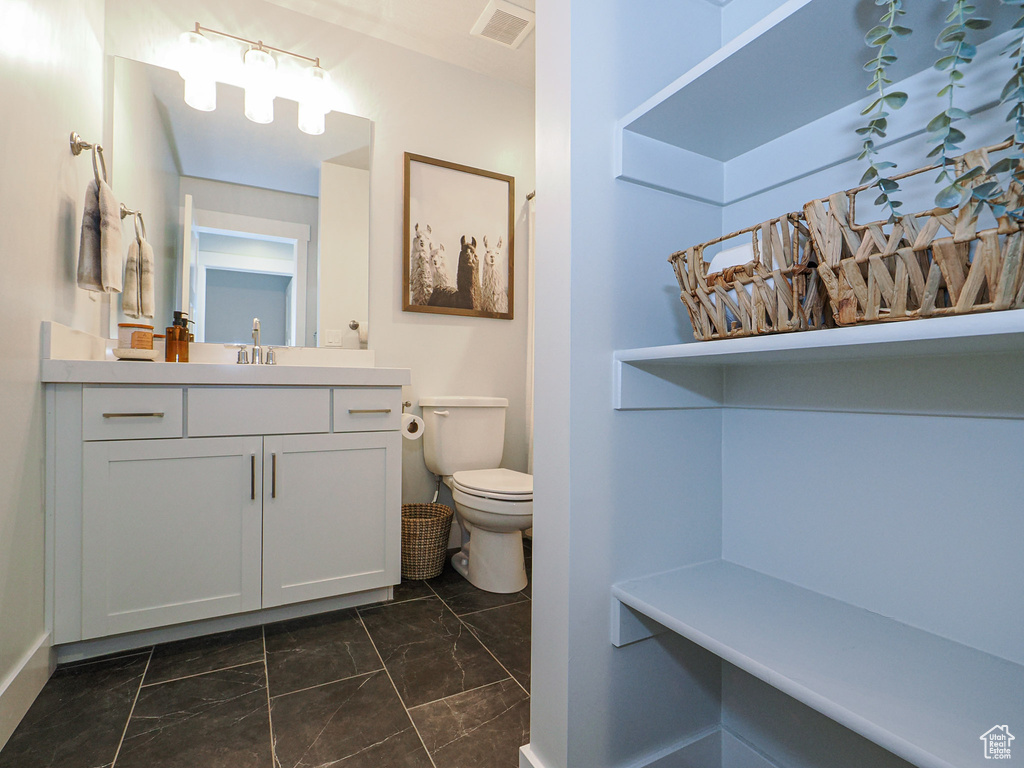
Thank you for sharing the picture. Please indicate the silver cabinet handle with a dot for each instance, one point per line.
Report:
(369, 410)
(273, 475)
(133, 415)
(252, 477)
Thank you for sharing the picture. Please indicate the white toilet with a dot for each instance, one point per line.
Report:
(463, 439)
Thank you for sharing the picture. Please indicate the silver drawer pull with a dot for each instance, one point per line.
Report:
(133, 415)
(369, 410)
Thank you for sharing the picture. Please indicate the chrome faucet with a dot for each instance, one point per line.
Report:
(257, 351)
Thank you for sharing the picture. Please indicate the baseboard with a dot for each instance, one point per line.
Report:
(86, 649)
(20, 687)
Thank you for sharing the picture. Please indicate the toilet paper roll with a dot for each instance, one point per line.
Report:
(412, 427)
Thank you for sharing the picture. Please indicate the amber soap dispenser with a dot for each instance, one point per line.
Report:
(176, 341)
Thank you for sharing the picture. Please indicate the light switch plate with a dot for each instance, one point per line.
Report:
(333, 338)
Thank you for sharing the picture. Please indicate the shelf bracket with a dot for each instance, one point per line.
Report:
(629, 626)
(655, 385)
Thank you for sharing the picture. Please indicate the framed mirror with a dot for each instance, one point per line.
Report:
(273, 222)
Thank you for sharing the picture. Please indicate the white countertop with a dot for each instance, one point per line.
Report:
(76, 357)
(145, 372)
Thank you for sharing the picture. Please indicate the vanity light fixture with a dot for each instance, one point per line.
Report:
(260, 80)
(313, 107)
(260, 69)
(195, 70)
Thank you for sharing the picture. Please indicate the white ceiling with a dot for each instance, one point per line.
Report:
(435, 28)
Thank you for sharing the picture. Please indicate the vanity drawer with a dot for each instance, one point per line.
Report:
(131, 413)
(367, 409)
(219, 411)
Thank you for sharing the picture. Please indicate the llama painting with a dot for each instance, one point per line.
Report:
(421, 280)
(493, 289)
(454, 209)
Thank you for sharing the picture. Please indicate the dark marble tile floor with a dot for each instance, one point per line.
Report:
(437, 678)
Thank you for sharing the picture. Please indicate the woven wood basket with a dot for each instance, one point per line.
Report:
(777, 291)
(926, 264)
(425, 531)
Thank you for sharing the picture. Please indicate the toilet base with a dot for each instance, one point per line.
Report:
(498, 566)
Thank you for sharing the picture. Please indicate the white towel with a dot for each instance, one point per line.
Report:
(139, 296)
(99, 254)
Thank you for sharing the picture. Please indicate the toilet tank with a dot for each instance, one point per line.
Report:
(463, 433)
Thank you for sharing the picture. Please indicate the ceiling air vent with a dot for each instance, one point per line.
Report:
(504, 23)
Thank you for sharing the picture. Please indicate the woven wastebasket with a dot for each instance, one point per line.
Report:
(425, 531)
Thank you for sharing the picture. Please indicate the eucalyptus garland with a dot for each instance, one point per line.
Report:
(941, 131)
(881, 37)
(1013, 93)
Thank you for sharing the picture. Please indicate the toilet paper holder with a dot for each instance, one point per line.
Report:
(405, 405)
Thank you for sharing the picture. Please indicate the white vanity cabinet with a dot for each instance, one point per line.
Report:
(171, 531)
(174, 504)
(326, 523)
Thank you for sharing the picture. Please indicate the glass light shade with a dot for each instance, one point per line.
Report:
(201, 94)
(196, 67)
(313, 101)
(259, 85)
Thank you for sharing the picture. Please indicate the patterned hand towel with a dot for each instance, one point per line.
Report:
(99, 254)
(130, 298)
(148, 292)
(139, 296)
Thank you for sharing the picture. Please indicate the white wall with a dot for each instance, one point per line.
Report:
(344, 245)
(144, 174)
(617, 494)
(51, 82)
(417, 105)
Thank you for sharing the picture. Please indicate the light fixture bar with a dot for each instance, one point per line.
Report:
(258, 44)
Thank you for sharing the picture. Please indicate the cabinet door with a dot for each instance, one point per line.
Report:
(331, 515)
(170, 531)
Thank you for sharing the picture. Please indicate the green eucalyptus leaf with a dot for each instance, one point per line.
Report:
(987, 190)
(998, 210)
(955, 135)
(869, 175)
(895, 203)
(1005, 165)
(895, 100)
(957, 114)
(971, 174)
(949, 197)
(956, 76)
(946, 90)
(938, 122)
(884, 165)
(888, 185)
(967, 52)
(881, 199)
(945, 63)
(935, 152)
(871, 107)
(977, 23)
(901, 31)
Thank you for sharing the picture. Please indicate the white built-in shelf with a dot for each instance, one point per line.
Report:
(923, 697)
(690, 375)
(801, 62)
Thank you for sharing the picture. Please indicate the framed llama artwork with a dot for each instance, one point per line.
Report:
(459, 239)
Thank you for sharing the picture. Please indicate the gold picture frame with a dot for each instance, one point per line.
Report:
(459, 240)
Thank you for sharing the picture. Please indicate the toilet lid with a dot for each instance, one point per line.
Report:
(495, 484)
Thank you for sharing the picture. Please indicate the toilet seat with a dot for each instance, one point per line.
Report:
(498, 484)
